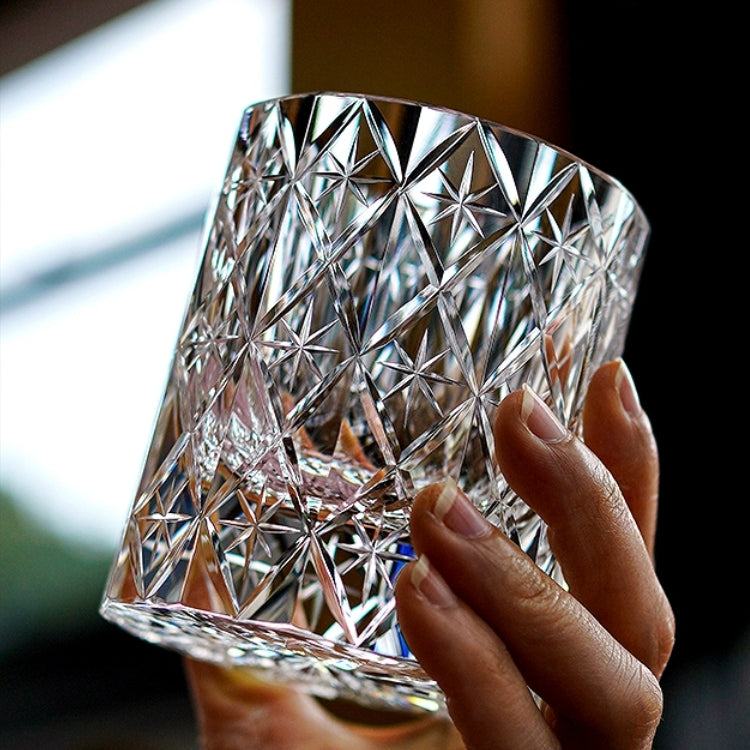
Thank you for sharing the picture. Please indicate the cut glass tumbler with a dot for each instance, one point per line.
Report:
(378, 275)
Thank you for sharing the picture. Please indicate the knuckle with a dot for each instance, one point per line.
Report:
(650, 707)
(657, 640)
(644, 703)
(609, 491)
(532, 589)
(665, 637)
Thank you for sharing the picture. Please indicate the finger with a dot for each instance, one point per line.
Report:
(487, 697)
(591, 529)
(617, 429)
(563, 653)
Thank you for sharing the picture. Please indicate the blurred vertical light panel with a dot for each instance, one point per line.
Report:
(111, 149)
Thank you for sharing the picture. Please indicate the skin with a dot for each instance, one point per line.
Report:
(486, 623)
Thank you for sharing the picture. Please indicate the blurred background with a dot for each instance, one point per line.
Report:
(116, 122)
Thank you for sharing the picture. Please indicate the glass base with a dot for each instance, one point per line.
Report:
(286, 654)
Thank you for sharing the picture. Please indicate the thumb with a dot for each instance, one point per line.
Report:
(236, 710)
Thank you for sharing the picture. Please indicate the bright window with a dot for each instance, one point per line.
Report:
(111, 149)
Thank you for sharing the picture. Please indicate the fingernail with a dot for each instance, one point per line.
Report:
(458, 513)
(626, 390)
(431, 585)
(539, 418)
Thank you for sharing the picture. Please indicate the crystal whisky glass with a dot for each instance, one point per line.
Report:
(378, 274)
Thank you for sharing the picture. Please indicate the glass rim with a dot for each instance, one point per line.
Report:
(612, 181)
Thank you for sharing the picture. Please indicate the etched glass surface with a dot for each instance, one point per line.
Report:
(377, 276)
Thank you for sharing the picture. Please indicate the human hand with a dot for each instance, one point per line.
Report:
(485, 622)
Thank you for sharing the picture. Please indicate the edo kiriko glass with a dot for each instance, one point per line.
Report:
(378, 275)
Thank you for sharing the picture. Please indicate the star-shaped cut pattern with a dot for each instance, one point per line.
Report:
(300, 348)
(417, 375)
(208, 339)
(372, 552)
(346, 178)
(255, 179)
(565, 245)
(257, 520)
(462, 203)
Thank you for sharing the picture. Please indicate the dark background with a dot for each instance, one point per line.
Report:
(642, 95)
